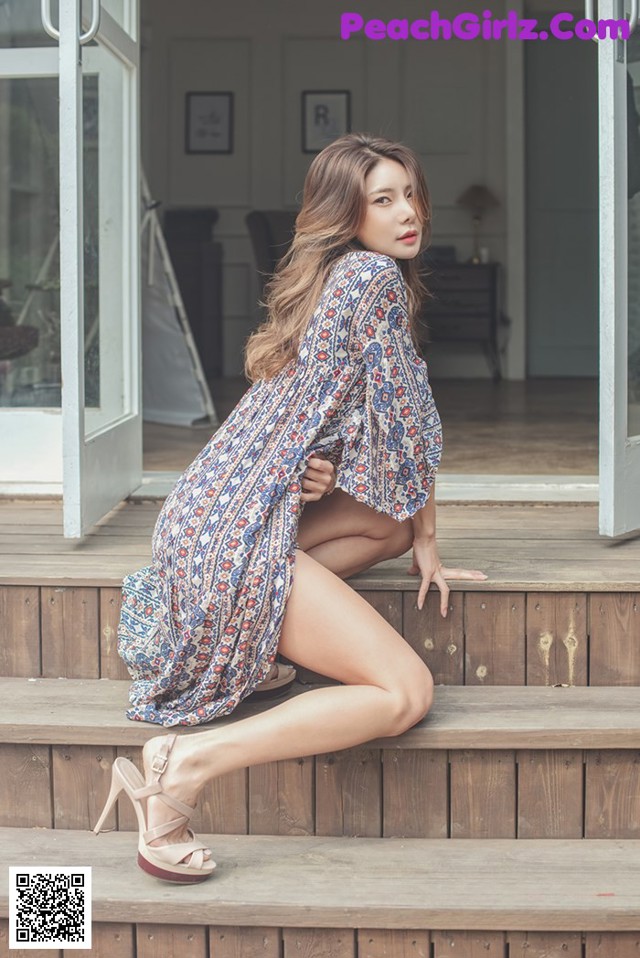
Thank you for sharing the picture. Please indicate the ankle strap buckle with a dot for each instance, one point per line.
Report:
(159, 763)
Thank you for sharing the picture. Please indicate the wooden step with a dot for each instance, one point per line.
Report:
(499, 638)
(92, 712)
(502, 762)
(312, 882)
(522, 547)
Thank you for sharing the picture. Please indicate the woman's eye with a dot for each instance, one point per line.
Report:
(382, 199)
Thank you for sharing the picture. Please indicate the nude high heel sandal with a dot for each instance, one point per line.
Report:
(163, 861)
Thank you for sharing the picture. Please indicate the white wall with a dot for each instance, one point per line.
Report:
(446, 99)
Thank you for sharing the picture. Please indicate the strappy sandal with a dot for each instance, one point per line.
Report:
(275, 684)
(162, 861)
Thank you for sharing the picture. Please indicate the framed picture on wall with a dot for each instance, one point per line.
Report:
(209, 122)
(326, 115)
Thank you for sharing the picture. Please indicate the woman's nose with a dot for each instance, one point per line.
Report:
(407, 211)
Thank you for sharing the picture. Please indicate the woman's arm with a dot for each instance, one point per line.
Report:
(426, 560)
(424, 520)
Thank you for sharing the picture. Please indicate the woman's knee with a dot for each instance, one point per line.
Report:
(411, 700)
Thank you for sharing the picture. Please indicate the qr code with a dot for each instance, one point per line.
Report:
(49, 907)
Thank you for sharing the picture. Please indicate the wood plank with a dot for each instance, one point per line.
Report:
(349, 793)
(92, 712)
(483, 794)
(124, 530)
(389, 605)
(557, 643)
(494, 639)
(108, 940)
(550, 794)
(111, 665)
(155, 940)
(20, 617)
(612, 789)
(245, 942)
(70, 633)
(222, 805)
(439, 642)
(319, 942)
(26, 771)
(70, 572)
(513, 573)
(509, 540)
(505, 574)
(316, 882)
(612, 945)
(21, 544)
(81, 775)
(281, 798)
(615, 640)
(415, 798)
(468, 944)
(125, 816)
(540, 944)
(382, 943)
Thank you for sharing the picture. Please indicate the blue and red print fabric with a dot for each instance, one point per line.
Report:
(200, 626)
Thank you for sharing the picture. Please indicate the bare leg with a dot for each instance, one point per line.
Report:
(331, 629)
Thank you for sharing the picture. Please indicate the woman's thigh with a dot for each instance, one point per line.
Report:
(340, 515)
(330, 628)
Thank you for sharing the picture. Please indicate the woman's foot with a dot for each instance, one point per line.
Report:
(179, 781)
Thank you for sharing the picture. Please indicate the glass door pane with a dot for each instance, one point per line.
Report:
(107, 312)
(21, 24)
(29, 247)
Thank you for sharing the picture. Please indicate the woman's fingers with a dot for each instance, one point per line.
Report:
(321, 465)
(471, 574)
(438, 580)
(317, 479)
(310, 493)
(444, 593)
(422, 592)
(463, 574)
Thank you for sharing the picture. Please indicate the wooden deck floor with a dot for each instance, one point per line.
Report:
(540, 547)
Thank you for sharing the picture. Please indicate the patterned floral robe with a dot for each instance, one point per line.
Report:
(200, 626)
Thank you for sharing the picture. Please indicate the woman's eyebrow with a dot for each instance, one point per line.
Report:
(387, 189)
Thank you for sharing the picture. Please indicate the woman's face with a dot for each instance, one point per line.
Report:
(391, 224)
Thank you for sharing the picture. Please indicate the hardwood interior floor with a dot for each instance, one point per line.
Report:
(535, 427)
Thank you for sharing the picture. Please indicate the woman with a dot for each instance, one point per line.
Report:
(335, 374)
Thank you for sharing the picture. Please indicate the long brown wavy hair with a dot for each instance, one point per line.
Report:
(333, 209)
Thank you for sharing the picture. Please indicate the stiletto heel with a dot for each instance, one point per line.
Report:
(114, 791)
(164, 861)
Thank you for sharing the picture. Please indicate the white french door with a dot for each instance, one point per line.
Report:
(70, 416)
(619, 106)
(99, 257)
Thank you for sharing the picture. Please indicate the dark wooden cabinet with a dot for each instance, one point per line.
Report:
(197, 263)
(464, 307)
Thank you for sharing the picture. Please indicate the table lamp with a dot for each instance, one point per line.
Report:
(477, 198)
